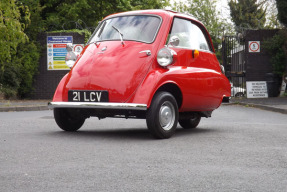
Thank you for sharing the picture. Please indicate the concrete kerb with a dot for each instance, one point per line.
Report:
(23, 108)
(23, 105)
(259, 106)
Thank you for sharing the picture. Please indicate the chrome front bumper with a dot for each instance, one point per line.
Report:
(98, 105)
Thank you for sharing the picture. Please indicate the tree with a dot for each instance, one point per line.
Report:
(36, 23)
(282, 17)
(272, 21)
(276, 47)
(12, 34)
(148, 4)
(247, 14)
(12, 31)
(282, 7)
(70, 14)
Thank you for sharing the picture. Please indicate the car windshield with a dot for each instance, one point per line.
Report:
(132, 28)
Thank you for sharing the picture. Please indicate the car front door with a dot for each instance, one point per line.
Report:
(201, 67)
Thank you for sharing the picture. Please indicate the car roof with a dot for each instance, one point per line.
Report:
(159, 12)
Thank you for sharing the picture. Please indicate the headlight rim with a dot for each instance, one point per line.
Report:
(170, 53)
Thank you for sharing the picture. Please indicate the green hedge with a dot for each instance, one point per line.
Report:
(277, 49)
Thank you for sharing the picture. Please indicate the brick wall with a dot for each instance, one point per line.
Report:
(257, 64)
(46, 81)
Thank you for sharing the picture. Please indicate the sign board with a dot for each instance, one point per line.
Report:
(56, 52)
(78, 48)
(257, 89)
(283, 86)
(254, 46)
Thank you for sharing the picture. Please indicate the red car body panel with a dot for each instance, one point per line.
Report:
(119, 69)
(133, 77)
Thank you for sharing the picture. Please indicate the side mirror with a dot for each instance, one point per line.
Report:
(174, 41)
(71, 57)
(69, 47)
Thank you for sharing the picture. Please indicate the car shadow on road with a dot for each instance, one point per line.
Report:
(119, 133)
(198, 131)
(127, 133)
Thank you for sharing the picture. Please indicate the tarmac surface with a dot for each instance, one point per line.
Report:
(275, 104)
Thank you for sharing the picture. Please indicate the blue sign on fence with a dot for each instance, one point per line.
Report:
(56, 52)
(59, 39)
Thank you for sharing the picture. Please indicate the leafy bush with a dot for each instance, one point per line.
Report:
(276, 47)
(19, 55)
(11, 36)
(17, 78)
(28, 58)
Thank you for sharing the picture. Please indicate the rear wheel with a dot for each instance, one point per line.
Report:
(239, 94)
(67, 121)
(162, 116)
(190, 123)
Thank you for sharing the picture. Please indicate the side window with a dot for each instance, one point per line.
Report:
(190, 35)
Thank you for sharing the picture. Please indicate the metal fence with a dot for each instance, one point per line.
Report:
(233, 55)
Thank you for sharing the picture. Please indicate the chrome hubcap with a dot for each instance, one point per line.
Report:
(166, 115)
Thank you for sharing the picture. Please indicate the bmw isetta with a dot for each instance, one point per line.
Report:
(156, 65)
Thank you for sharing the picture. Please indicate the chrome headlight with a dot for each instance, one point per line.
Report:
(165, 56)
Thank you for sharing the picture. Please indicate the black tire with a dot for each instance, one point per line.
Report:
(190, 123)
(67, 122)
(162, 116)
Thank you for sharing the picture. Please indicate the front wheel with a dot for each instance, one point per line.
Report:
(67, 121)
(162, 116)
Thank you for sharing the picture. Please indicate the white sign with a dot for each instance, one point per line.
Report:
(283, 88)
(254, 46)
(78, 48)
(256, 89)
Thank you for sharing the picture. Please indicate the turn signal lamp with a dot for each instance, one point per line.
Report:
(195, 53)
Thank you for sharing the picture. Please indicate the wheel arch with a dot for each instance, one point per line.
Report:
(58, 95)
(173, 89)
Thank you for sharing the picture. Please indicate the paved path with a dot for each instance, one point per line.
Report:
(275, 104)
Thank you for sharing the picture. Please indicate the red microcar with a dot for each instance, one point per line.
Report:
(156, 65)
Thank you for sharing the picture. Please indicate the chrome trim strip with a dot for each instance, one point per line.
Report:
(98, 105)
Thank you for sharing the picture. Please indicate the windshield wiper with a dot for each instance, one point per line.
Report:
(121, 35)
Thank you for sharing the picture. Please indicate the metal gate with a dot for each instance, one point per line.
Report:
(233, 56)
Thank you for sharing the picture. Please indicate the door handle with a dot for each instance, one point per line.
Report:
(148, 52)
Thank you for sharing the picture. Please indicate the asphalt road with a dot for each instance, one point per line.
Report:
(238, 149)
